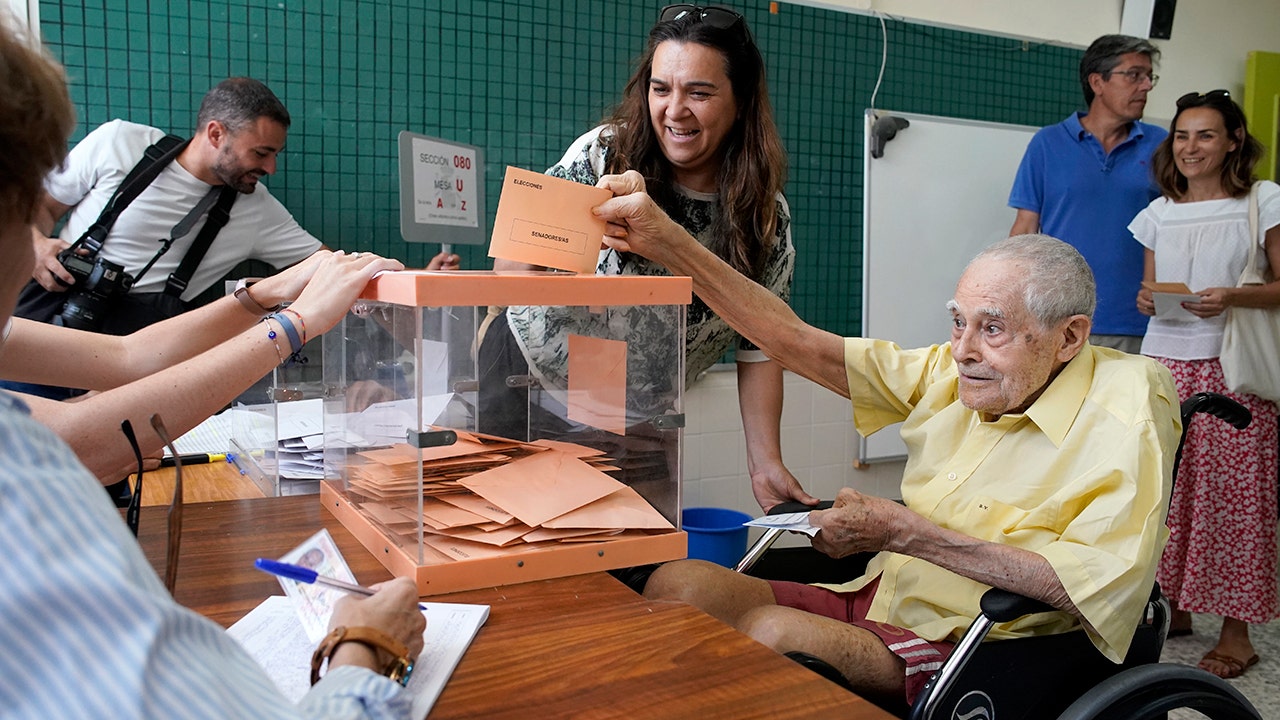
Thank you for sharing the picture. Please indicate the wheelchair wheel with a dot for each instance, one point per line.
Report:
(1147, 692)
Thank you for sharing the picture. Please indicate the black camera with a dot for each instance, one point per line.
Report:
(98, 282)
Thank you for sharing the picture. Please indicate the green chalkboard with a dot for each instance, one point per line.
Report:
(521, 79)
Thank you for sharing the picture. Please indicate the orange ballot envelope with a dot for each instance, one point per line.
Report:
(547, 221)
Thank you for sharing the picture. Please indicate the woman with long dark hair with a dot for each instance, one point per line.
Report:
(696, 122)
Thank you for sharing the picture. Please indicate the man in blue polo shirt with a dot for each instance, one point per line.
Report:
(1084, 179)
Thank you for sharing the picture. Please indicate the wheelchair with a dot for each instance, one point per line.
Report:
(1067, 677)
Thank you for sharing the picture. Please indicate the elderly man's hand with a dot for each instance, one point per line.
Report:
(636, 223)
(857, 523)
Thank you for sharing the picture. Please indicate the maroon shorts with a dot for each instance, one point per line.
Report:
(923, 657)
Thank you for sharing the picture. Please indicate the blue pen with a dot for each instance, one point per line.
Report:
(231, 458)
(307, 575)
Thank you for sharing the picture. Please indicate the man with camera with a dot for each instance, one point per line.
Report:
(123, 269)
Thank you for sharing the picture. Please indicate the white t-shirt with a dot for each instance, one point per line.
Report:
(1203, 244)
(259, 229)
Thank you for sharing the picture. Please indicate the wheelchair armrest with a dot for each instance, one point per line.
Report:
(1003, 606)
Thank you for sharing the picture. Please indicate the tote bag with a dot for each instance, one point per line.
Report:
(1251, 345)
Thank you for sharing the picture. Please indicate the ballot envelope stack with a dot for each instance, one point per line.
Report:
(587, 479)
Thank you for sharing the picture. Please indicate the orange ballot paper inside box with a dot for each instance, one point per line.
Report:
(547, 221)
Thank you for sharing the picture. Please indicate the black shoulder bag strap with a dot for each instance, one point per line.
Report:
(155, 159)
(219, 214)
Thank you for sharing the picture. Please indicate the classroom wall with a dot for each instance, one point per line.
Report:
(1208, 48)
(521, 79)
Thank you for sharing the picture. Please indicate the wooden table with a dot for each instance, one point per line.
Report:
(581, 646)
(207, 482)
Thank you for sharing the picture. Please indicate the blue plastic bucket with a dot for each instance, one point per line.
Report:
(716, 534)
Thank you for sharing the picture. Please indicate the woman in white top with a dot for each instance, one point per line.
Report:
(1221, 556)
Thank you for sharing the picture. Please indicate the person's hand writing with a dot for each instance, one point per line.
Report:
(47, 270)
(856, 523)
(636, 223)
(1213, 302)
(338, 281)
(774, 484)
(1146, 303)
(393, 609)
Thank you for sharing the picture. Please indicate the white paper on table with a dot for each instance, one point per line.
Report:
(212, 436)
(1169, 305)
(273, 636)
(796, 522)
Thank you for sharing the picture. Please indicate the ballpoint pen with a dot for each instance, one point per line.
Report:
(231, 458)
(307, 575)
(193, 459)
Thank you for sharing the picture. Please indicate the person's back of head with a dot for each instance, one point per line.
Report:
(36, 116)
(239, 101)
(1104, 54)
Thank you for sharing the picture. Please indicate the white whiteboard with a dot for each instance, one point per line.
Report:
(937, 197)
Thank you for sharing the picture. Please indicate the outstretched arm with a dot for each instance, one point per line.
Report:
(637, 224)
(199, 384)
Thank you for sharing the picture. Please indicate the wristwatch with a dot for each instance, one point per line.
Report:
(399, 668)
(242, 294)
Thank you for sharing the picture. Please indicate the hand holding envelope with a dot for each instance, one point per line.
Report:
(1168, 299)
(547, 221)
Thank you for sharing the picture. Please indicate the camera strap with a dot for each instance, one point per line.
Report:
(219, 214)
(155, 159)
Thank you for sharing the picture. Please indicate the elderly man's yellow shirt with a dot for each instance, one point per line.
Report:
(1081, 478)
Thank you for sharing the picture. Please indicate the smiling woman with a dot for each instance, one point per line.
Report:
(1221, 556)
(696, 123)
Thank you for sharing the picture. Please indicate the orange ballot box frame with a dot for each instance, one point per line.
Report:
(595, 485)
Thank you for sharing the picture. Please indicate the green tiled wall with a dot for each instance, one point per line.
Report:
(522, 79)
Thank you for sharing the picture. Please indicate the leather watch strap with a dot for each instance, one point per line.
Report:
(398, 668)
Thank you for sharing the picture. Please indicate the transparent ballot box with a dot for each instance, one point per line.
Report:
(551, 447)
(277, 431)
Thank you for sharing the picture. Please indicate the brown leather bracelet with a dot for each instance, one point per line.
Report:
(253, 306)
(398, 669)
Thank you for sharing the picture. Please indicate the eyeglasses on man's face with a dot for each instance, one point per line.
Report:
(1135, 75)
(1194, 99)
(717, 17)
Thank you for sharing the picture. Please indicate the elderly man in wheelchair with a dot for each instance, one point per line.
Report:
(1037, 464)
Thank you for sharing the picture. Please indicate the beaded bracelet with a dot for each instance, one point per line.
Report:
(295, 342)
(301, 322)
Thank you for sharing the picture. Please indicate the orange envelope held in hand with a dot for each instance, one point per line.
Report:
(547, 221)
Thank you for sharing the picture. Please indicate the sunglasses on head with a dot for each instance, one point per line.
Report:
(717, 17)
(1194, 99)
